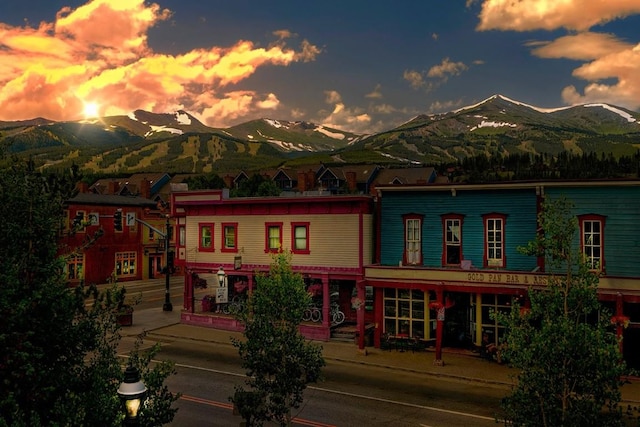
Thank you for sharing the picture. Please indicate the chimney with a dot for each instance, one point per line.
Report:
(351, 181)
(113, 187)
(82, 187)
(228, 181)
(145, 188)
(311, 180)
(302, 182)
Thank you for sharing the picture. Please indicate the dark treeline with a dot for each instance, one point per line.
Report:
(542, 167)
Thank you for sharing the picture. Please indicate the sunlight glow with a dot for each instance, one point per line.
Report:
(91, 110)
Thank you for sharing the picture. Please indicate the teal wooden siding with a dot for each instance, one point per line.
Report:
(518, 205)
(621, 208)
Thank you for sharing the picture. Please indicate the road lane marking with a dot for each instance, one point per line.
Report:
(229, 406)
(360, 396)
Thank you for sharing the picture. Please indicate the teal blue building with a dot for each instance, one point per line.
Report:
(448, 256)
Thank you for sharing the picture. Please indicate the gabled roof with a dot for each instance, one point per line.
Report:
(363, 173)
(131, 185)
(410, 175)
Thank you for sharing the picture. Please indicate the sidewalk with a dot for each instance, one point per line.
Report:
(165, 327)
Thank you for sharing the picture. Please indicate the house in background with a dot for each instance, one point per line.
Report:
(152, 186)
(224, 242)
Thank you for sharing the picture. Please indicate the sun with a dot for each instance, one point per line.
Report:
(91, 109)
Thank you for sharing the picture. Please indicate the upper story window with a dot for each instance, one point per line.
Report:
(229, 237)
(78, 222)
(206, 237)
(273, 237)
(452, 239)
(300, 237)
(412, 239)
(494, 240)
(592, 240)
(152, 235)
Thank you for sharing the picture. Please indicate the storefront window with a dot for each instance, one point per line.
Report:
(404, 312)
(492, 303)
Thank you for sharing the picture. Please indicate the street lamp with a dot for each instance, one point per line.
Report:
(221, 276)
(131, 392)
(167, 297)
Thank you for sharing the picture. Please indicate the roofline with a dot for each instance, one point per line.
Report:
(508, 185)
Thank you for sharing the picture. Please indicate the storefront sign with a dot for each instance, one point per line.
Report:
(508, 278)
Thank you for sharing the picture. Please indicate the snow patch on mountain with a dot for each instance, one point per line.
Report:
(157, 129)
(327, 132)
(621, 113)
(274, 123)
(183, 118)
(486, 124)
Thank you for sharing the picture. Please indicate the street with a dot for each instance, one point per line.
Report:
(348, 395)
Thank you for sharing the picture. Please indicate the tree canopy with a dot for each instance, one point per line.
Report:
(278, 359)
(567, 354)
(59, 364)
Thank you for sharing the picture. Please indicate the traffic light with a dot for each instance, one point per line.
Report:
(117, 220)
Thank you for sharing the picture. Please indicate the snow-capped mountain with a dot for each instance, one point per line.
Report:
(498, 124)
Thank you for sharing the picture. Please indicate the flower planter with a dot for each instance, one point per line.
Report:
(125, 317)
(207, 303)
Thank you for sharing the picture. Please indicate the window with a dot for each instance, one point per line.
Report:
(125, 264)
(412, 239)
(452, 250)
(206, 237)
(74, 267)
(78, 222)
(229, 237)
(273, 237)
(592, 240)
(404, 312)
(152, 235)
(300, 237)
(182, 235)
(494, 240)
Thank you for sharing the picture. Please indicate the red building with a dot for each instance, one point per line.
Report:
(97, 245)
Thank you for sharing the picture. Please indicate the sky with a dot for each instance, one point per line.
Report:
(362, 66)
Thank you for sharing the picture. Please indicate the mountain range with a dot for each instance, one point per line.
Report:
(179, 143)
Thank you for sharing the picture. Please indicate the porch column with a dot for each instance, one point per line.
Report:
(326, 303)
(440, 309)
(188, 293)
(359, 303)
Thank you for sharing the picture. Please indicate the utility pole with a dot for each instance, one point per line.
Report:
(167, 296)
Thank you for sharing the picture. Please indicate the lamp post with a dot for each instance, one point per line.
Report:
(221, 276)
(131, 392)
(167, 297)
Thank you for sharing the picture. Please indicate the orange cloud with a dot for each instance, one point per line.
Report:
(606, 57)
(98, 52)
(582, 46)
(623, 66)
(527, 15)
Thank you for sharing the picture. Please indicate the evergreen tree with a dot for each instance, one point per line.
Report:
(567, 355)
(279, 361)
(59, 362)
